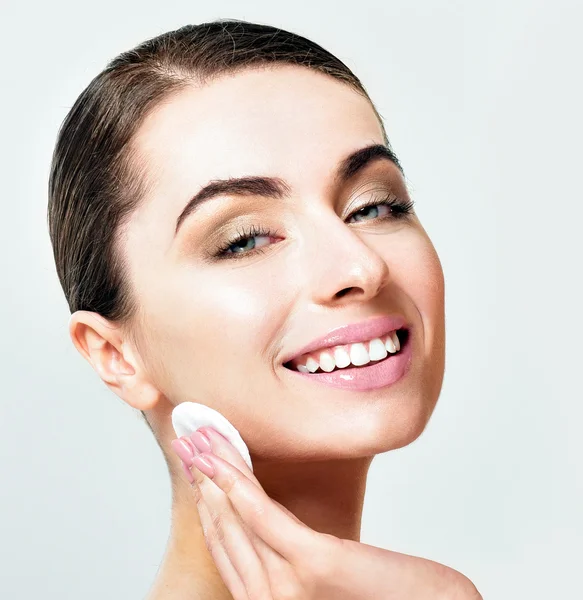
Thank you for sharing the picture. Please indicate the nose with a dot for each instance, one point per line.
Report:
(340, 266)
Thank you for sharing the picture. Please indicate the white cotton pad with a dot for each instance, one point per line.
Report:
(187, 417)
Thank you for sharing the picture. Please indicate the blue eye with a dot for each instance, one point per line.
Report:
(246, 248)
(393, 209)
(371, 208)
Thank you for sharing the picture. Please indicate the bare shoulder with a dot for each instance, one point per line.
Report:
(463, 588)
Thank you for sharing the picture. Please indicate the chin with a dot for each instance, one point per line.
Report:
(408, 435)
(401, 426)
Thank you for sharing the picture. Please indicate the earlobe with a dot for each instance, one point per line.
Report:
(101, 343)
(140, 393)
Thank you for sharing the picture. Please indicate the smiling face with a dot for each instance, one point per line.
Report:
(216, 329)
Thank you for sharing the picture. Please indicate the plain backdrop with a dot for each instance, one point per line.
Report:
(482, 103)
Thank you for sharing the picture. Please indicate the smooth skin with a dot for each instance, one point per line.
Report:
(216, 332)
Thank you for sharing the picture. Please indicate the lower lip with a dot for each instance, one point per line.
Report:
(373, 376)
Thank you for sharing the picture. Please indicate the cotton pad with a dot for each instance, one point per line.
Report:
(187, 417)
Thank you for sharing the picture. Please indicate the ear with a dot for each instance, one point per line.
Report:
(102, 344)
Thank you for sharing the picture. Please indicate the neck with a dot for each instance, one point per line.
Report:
(326, 496)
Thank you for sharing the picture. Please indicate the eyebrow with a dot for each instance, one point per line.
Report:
(275, 187)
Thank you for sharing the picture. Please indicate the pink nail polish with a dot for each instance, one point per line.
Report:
(183, 450)
(201, 442)
(188, 441)
(213, 431)
(203, 464)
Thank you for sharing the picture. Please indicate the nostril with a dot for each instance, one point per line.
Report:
(343, 292)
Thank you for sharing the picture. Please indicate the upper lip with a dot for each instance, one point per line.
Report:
(350, 334)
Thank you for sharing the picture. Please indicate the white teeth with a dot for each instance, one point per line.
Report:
(359, 355)
(312, 365)
(327, 363)
(395, 340)
(341, 357)
(377, 350)
(390, 345)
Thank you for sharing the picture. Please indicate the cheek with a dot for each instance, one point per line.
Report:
(421, 276)
(417, 270)
(208, 332)
(237, 315)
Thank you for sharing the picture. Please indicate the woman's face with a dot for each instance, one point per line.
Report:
(216, 330)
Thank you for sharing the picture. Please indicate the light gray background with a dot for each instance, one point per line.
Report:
(482, 103)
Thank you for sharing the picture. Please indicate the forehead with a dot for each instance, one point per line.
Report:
(269, 121)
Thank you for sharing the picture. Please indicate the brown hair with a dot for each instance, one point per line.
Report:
(96, 181)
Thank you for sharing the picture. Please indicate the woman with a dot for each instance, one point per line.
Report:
(224, 206)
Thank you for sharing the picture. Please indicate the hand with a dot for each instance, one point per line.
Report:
(264, 552)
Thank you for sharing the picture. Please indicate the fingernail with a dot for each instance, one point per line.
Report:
(201, 441)
(212, 430)
(183, 450)
(188, 441)
(204, 465)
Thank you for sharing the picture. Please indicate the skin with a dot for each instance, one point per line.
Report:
(216, 333)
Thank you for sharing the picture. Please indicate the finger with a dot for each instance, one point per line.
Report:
(231, 534)
(225, 568)
(280, 573)
(290, 538)
(276, 566)
(229, 531)
(185, 450)
(221, 446)
(201, 442)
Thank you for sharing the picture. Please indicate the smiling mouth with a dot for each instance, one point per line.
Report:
(402, 335)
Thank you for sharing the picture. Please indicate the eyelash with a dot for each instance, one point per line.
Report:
(399, 210)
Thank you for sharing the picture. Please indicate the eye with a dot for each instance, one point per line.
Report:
(239, 246)
(372, 210)
(243, 244)
(390, 205)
